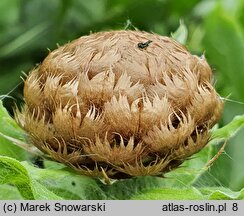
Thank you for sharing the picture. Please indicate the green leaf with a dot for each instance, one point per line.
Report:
(225, 49)
(9, 192)
(222, 193)
(170, 194)
(8, 127)
(64, 182)
(191, 193)
(228, 130)
(127, 188)
(13, 172)
(181, 33)
(47, 184)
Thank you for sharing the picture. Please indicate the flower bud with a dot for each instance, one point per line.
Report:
(124, 103)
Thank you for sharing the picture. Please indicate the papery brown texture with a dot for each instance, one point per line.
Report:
(126, 103)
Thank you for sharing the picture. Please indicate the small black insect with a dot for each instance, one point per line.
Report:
(144, 45)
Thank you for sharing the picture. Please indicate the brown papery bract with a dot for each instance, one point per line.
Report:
(120, 104)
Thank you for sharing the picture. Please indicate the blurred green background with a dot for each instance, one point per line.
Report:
(28, 28)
